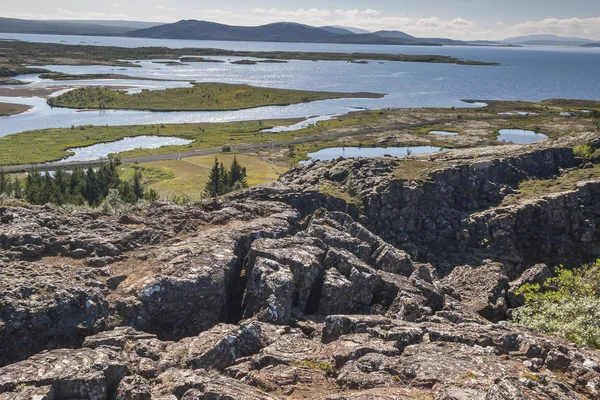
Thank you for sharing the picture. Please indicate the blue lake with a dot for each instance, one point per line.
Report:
(524, 74)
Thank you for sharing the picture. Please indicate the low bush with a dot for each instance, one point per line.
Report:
(567, 305)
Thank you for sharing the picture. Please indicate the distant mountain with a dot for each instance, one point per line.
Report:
(131, 25)
(277, 32)
(13, 25)
(595, 44)
(406, 36)
(337, 30)
(350, 29)
(395, 35)
(547, 40)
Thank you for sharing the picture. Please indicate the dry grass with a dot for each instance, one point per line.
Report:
(189, 175)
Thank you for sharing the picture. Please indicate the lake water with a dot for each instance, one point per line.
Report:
(102, 150)
(523, 75)
(520, 136)
(332, 153)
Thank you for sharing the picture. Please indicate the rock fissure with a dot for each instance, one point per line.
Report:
(287, 292)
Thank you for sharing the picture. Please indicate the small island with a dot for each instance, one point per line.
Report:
(200, 97)
(7, 109)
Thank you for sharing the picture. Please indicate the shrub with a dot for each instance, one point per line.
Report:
(566, 305)
(584, 151)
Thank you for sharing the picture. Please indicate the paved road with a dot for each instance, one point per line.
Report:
(84, 164)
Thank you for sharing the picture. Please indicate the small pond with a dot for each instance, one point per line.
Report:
(443, 133)
(520, 136)
(348, 152)
(102, 150)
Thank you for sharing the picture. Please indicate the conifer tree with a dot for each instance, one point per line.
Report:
(3, 181)
(235, 171)
(60, 189)
(225, 181)
(138, 190)
(17, 188)
(214, 186)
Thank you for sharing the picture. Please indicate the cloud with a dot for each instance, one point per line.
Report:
(294, 14)
(365, 18)
(583, 27)
(161, 7)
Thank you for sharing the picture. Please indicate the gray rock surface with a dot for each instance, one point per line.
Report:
(286, 292)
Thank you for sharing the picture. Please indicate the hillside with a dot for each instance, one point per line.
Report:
(13, 25)
(276, 32)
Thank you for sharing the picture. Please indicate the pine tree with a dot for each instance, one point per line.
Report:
(214, 186)
(60, 192)
(235, 171)
(92, 188)
(3, 181)
(138, 189)
(127, 193)
(17, 188)
(33, 187)
(225, 180)
(77, 186)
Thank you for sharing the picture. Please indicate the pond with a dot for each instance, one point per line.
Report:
(520, 136)
(332, 153)
(443, 133)
(102, 150)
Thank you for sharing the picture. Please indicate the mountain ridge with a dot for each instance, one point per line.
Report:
(274, 32)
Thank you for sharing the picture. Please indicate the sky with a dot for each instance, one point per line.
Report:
(456, 19)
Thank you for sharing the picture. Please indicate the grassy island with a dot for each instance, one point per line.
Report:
(200, 97)
(11, 109)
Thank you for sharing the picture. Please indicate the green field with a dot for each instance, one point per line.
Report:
(188, 176)
(200, 97)
(52, 144)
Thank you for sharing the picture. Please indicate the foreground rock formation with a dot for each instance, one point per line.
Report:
(288, 291)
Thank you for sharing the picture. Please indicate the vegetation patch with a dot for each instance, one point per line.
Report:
(200, 97)
(566, 305)
(414, 170)
(326, 367)
(535, 188)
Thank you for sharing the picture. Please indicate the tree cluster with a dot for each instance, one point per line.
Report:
(77, 187)
(222, 181)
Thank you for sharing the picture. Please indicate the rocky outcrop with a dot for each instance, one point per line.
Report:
(286, 292)
(456, 208)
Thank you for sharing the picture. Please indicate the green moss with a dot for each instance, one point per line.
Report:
(539, 187)
(342, 193)
(532, 377)
(468, 375)
(326, 367)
